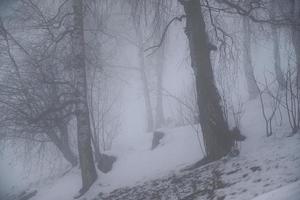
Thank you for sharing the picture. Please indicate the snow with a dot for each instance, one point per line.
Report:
(138, 163)
(64, 188)
(289, 192)
(265, 164)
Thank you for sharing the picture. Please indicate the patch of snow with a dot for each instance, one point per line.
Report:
(289, 192)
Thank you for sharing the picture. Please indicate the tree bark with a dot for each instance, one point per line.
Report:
(216, 133)
(88, 170)
(247, 60)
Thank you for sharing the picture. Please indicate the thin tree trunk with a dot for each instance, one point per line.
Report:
(247, 60)
(276, 51)
(88, 170)
(159, 70)
(160, 118)
(95, 129)
(146, 92)
(215, 129)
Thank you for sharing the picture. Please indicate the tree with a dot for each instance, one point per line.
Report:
(159, 114)
(33, 98)
(248, 67)
(296, 34)
(143, 74)
(159, 70)
(88, 170)
(216, 133)
(137, 9)
(276, 48)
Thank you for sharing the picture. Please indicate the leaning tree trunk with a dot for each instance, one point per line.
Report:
(276, 50)
(63, 145)
(248, 67)
(88, 170)
(66, 148)
(216, 133)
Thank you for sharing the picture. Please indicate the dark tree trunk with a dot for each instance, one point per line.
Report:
(69, 155)
(215, 129)
(88, 170)
(63, 145)
(66, 149)
(247, 60)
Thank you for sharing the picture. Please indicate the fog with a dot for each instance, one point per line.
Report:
(89, 89)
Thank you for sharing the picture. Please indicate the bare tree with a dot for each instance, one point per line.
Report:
(248, 66)
(276, 48)
(160, 21)
(269, 115)
(45, 109)
(292, 99)
(296, 34)
(145, 85)
(150, 16)
(88, 170)
(159, 110)
(216, 133)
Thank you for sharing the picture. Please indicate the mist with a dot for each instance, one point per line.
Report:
(149, 99)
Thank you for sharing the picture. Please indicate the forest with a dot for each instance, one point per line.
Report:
(149, 99)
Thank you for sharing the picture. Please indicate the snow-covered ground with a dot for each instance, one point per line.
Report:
(265, 164)
(289, 192)
(136, 163)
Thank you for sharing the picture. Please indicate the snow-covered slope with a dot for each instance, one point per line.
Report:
(136, 163)
(264, 164)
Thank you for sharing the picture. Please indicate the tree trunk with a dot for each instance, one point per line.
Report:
(66, 149)
(276, 51)
(63, 145)
(160, 118)
(296, 35)
(146, 92)
(216, 133)
(88, 170)
(247, 60)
